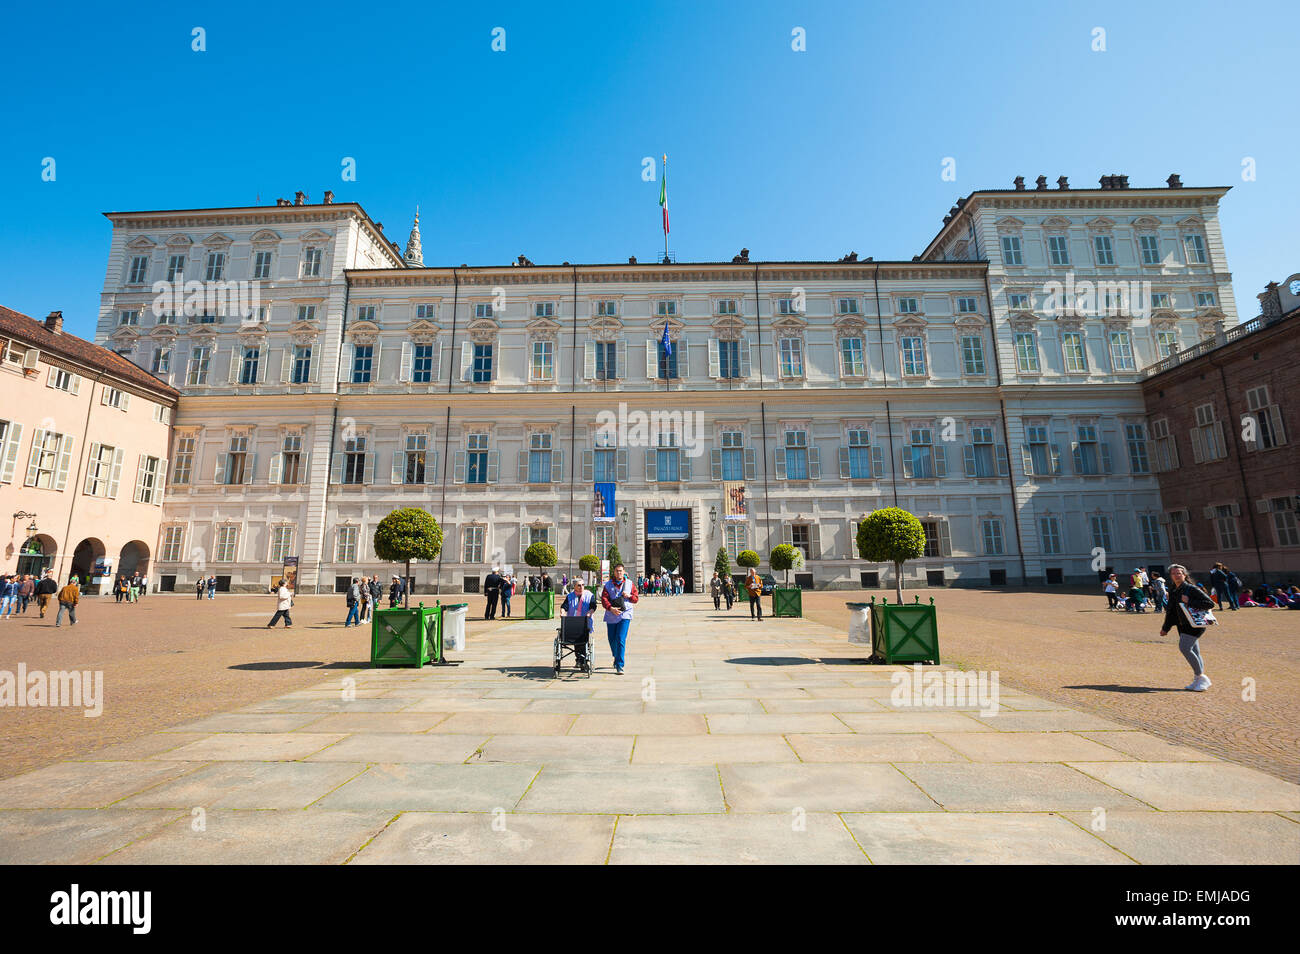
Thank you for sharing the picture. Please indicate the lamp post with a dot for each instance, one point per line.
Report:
(713, 520)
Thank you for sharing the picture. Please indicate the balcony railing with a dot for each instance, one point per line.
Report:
(1219, 340)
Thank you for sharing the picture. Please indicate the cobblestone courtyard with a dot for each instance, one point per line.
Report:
(752, 743)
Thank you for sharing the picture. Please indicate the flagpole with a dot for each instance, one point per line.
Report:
(665, 205)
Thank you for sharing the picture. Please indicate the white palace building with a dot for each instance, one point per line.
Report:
(959, 385)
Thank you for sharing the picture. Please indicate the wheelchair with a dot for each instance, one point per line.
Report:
(574, 639)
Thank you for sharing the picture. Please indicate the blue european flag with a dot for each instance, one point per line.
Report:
(667, 342)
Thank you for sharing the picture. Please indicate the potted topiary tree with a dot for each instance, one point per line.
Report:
(404, 636)
(722, 565)
(786, 600)
(613, 556)
(590, 564)
(902, 632)
(540, 605)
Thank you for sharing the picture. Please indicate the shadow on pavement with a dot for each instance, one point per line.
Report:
(773, 661)
(1128, 689)
(546, 673)
(285, 664)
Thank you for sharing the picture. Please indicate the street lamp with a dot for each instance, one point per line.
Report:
(623, 516)
(713, 519)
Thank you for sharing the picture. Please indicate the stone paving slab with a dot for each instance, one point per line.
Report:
(247, 785)
(401, 747)
(490, 839)
(1022, 787)
(735, 839)
(821, 788)
(257, 838)
(85, 784)
(435, 788)
(626, 790)
(1198, 838)
(957, 838)
(250, 746)
(72, 836)
(1193, 786)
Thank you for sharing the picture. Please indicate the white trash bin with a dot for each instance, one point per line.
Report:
(859, 623)
(453, 627)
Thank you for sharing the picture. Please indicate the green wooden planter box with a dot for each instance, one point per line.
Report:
(406, 637)
(904, 632)
(787, 601)
(539, 605)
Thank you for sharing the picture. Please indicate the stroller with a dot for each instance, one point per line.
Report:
(574, 639)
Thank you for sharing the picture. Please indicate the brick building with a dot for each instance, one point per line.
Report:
(1225, 443)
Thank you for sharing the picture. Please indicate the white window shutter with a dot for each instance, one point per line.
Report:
(236, 354)
(313, 370)
(968, 460)
(620, 359)
(1223, 445)
(65, 462)
(1107, 466)
(751, 464)
(845, 467)
(263, 357)
(651, 358)
(397, 473)
(1056, 460)
(814, 462)
(778, 457)
(336, 468)
(494, 466)
(88, 487)
(220, 476)
(250, 467)
(1077, 455)
(522, 473)
(9, 453)
(945, 539)
(458, 467)
(1198, 446)
(126, 401)
(744, 357)
(376, 362)
(345, 362)
(620, 465)
(685, 466)
(787, 533)
(588, 466)
(551, 534)
(1027, 460)
(76, 385)
(589, 361)
(273, 475)
(431, 473)
(557, 467)
(523, 541)
(651, 465)
(160, 482)
(466, 360)
(304, 468)
(683, 358)
(940, 461)
(286, 364)
(404, 369)
(907, 460)
(436, 372)
(1275, 415)
(1004, 466)
(815, 542)
(877, 461)
(139, 473)
(370, 467)
(33, 461)
(715, 362)
(115, 474)
(715, 463)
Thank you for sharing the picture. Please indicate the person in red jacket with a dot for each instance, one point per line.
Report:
(617, 596)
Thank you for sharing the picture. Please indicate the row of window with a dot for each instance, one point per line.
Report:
(1223, 521)
(213, 266)
(1103, 250)
(50, 463)
(1261, 430)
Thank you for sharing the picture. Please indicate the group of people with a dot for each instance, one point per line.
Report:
(363, 595)
(1274, 597)
(1132, 594)
(130, 588)
(617, 594)
(499, 587)
(205, 586)
(723, 588)
(661, 584)
(20, 590)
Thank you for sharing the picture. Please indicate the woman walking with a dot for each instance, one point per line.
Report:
(715, 590)
(754, 587)
(1188, 613)
(617, 596)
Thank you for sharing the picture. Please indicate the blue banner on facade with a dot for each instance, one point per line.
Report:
(667, 524)
(602, 502)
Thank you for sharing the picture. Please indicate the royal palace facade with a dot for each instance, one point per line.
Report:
(961, 385)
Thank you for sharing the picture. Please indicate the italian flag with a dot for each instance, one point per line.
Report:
(663, 194)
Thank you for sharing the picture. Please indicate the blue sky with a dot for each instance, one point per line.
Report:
(538, 149)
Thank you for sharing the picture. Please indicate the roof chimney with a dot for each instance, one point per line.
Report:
(1174, 182)
(281, 202)
(1019, 183)
(1041, 183)
(1062, 182)
(54, 322)
(300, 198)
(329, 197)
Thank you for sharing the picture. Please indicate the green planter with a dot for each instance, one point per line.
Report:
(405, 637)
(787, 601)
(904, 632)
(539, 605)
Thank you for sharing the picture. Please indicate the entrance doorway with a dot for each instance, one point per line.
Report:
(668, 542)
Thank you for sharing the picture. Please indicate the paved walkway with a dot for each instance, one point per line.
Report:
(726, 741)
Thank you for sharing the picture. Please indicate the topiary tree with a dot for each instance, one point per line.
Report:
(669, 561)
(747, 559)
(613, 556)
(722, 565)
(589, 563)
(405, 535)
(892, 536)
(782, 558)
(540, 554)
